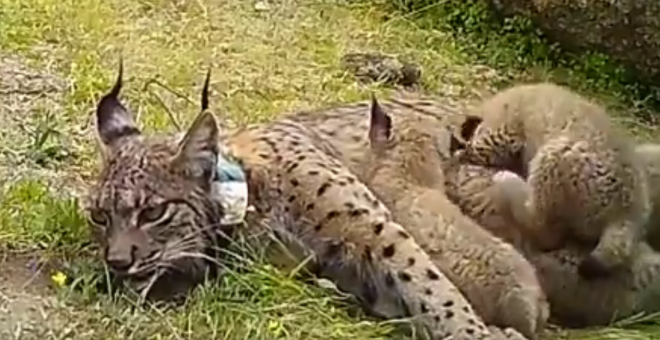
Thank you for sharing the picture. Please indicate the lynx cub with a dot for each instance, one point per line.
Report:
(585, 181)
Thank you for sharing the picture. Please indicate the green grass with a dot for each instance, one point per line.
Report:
(32, 217)
(264, 63)
(258, 303)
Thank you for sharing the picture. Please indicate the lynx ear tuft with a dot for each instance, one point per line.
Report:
(205, 91)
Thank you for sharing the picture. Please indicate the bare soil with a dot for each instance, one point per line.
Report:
(27, 299)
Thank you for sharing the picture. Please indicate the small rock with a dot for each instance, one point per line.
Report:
(326, 284)
(261, 6)
(379, 67)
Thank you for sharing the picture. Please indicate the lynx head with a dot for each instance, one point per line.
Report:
(150, 209)
(415, 148)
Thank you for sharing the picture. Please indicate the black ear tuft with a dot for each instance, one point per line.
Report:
(205, 91)
(469, 126)
(113, 120)
(114, 92)
(380, 126)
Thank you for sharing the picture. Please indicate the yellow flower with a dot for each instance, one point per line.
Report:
(59, 279)
(275, 327)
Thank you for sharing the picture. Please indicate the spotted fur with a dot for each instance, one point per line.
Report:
(586, 184)
(404, 170)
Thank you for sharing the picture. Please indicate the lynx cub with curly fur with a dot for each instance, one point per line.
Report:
(586, 182)
(574, 301)
(404, 171)
(154, 213)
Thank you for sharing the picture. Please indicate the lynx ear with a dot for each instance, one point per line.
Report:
(469, 126)
(380, 125)
(113, 120)
(197, 154)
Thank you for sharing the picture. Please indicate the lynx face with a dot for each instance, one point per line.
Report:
(151, 209)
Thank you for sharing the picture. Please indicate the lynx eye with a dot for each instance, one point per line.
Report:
(98, 217)
(152, 214)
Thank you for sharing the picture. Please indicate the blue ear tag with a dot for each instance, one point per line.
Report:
(230, 189)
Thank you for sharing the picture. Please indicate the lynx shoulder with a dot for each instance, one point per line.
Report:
(585, 181)
(404, 171)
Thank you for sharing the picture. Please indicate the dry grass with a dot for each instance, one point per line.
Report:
(264, 62)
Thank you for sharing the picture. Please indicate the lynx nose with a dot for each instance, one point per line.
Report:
(120, 260)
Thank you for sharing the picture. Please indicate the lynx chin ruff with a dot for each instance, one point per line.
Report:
(154, 212)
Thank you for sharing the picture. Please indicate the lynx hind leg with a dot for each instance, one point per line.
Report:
(365, 252)
(552, 201)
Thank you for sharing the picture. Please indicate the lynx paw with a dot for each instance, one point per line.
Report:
(506, 176)
(512, 187)
(506, 334)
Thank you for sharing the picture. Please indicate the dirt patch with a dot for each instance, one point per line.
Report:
(27, 300)
(37, 140)
(36, 144)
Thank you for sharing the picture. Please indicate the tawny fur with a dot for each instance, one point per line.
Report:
(586, 183)
(577, 302)
(153, 212)
(404, 171)
(574, 301)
